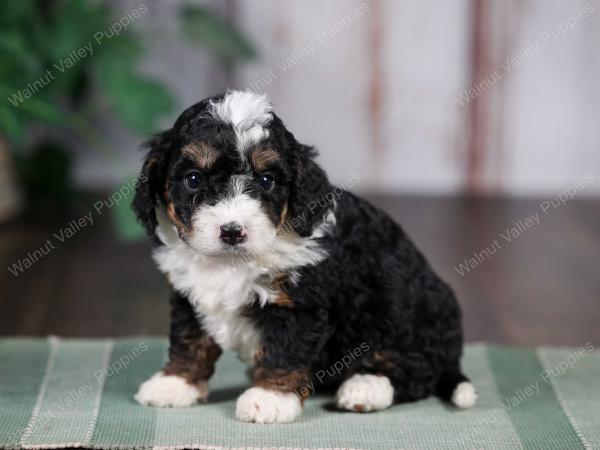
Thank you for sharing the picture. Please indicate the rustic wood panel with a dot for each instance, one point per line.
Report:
(435, 96)
(532, 96)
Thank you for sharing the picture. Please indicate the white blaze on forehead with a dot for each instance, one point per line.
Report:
(238, 184)
(249, 113)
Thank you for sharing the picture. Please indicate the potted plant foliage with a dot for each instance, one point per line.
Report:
(38, 97)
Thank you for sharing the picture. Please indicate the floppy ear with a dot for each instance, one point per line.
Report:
(311, 193)
(151, 182)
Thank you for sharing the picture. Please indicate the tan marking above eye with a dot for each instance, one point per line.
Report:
(203, 154)
(262, 157)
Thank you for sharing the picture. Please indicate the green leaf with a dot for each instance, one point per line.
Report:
(36, 106)
(12, 43)
(18, 61)
(15, 11)
(126, 224)
(225, 42)
(42, 110)
(70, 26)
(139, 101)
(10, 123)
(123, 49)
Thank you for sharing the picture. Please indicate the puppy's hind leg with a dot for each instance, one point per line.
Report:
(365, 392)
(385, 378)
(370, 388)
(456, 388)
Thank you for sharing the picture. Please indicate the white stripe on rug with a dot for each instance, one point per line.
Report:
(69, 397)
(567, 370)
(98, 397)
(486, 425)
(54, 344)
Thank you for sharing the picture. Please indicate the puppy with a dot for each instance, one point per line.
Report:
(309, 284)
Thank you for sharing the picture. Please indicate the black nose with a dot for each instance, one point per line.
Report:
(232, 233)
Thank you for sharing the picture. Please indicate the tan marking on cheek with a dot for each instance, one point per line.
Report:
(150, 166)
(283, 215)
(260, 354)
(203, 154)
(181, 228)
(261, 158)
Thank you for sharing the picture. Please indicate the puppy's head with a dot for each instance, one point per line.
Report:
(230, 177)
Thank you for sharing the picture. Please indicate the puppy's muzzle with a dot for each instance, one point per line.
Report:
(233, 233)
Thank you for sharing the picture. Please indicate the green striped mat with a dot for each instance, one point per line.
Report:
(79, 393)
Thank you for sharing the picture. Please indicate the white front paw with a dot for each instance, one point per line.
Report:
(263, 406)
(364, 393)
(170, 390)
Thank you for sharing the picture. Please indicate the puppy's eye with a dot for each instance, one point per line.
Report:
(192, 180)
(266, 182)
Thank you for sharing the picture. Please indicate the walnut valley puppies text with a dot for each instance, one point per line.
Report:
(76, 55)
(328, 200)
(263, 251)
(73, 227)
(525, 393)
(336, 369)
(122, 363)
(518, 228)
(519, 58)
(91, 385)
(309, 49)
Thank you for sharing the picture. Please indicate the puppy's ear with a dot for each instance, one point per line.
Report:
(310, 195)
(151, 182)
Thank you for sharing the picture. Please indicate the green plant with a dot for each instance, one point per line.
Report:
(55, 53)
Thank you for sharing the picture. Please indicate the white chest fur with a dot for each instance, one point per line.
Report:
(219, 290)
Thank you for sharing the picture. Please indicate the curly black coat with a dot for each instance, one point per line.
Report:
(374, 291)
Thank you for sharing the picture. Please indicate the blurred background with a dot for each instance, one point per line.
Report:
(474, 123)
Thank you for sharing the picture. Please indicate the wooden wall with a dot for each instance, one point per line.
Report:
(381, 94)
(379, 87)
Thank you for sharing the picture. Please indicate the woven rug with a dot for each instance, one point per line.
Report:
(79, 393)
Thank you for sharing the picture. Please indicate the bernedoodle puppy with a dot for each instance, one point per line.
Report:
(309, 284)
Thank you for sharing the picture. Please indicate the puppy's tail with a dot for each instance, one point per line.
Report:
(456, 388)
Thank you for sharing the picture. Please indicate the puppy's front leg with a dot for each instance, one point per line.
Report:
(192, 357)
(291, 343)
(274, 396)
